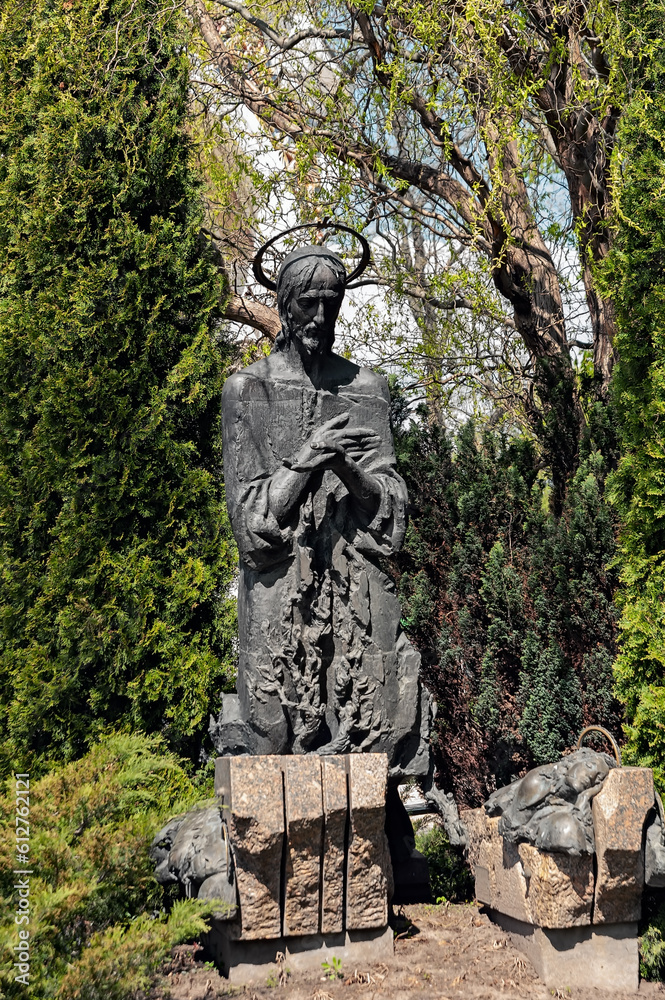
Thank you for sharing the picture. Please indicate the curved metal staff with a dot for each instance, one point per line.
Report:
(264, 280)
(608, 735)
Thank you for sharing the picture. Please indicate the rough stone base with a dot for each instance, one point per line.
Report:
(603, 956)
(254, 961)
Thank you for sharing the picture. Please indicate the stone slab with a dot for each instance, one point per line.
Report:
(604, 958)
(308, 840)
(475, 822)
(368, 858)
(335, 807)
(256, 833)
(507, 885)
(619, 811)
(537, 887)
(223, 780)
(560, 887)
(303, 797)
(252, 962)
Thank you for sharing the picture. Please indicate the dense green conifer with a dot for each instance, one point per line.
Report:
(114, 549)
(96, 930)
(636, 275)
(510, 604)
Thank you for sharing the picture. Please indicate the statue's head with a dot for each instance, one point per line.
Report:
(310, 289)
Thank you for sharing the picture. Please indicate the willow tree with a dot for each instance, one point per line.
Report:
(474, 141)
(114, 551)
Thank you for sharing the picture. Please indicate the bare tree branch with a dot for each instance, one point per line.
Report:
(260, 317)
(445, 305)
(283, 42)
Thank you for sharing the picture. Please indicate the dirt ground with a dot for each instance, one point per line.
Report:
(448, 953)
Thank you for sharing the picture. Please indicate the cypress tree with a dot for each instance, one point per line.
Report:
(636, 275)
(115, 554)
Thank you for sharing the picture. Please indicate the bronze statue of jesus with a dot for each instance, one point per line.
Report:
(315, 501)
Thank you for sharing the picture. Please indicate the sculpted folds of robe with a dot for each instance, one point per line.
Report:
(323, 663)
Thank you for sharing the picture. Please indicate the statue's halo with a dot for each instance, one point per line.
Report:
(264, 280)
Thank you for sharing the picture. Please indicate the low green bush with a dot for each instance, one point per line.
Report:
(449, 873)
(97, 925)
(119, 962)
(652, 936)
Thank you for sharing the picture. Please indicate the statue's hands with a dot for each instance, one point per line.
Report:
(333, 444)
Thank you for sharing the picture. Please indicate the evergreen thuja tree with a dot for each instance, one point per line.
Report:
(636, 275)
(509, 603)
(115, 554)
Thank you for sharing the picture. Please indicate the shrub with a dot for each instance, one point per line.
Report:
(120, 962)
(635, 275)
(450, 877)
(652, 936)
(509, 603)
(91, 823)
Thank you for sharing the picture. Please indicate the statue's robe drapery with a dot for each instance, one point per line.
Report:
(323, 663)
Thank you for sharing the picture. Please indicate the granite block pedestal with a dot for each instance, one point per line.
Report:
(603, 957)
(574, 915)
(311, 862)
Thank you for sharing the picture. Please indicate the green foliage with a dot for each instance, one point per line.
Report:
(115, 553)
(332, 969)
(652, 951)
(652, 936)
(551, 695)
(449, 874)
(92, 891)
(635, 275)
(510, 605)
(121, 961)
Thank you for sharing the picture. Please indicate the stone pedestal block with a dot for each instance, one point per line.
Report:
(475, 824)
(560, 887)
(576, 921)
(335, 808)
(368, 859)
(500, 881)
(619, 813)
(304, 826)
(605, 958)
(549, 889)
(307, 833)
(252, 794)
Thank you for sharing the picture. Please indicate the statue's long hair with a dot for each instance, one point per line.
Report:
(295, 277)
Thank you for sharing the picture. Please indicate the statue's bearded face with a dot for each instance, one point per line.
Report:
(312, 310)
